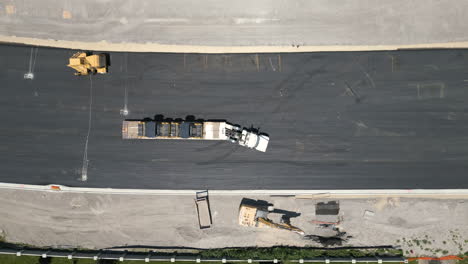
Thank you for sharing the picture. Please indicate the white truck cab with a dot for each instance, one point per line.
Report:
(253, 140)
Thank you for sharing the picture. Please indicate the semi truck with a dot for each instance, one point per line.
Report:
(194, 130)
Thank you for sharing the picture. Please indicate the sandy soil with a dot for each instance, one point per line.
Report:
(419, 226)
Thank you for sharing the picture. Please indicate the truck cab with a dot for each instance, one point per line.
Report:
(253, 140)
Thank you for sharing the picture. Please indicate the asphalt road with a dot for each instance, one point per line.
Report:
(336, 120)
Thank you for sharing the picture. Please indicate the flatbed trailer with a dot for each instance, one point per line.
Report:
(194, 130)
(203, 210)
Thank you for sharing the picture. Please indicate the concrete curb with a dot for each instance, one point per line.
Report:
(154, 47)
(299, 194)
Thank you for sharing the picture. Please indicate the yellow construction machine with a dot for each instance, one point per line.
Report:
(255, 215)
(85, 63)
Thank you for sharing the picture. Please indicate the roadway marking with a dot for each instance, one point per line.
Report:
(368, 76)
(280, 63)
(257, 62)
(430, 90)
(271, 64)
(349, 90)
(395, 62)
(432, 66)
(227, 61)
(32, 64)
(235, 63)
(205, 62)
(84, 168)
(124, 111)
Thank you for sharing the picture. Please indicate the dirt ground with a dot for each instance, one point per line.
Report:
(241, 23)
(420, 226)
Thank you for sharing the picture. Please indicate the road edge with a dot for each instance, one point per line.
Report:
(299, 194)
(154, 47)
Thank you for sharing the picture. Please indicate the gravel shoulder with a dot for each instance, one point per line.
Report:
(420, 226)
(270, 25)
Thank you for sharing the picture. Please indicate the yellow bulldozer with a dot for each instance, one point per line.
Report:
(255, 215)
(85, 63)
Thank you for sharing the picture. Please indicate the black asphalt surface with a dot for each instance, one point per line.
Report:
(368, 120)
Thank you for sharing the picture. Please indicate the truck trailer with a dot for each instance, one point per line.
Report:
(194, 130)
(203, 210)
